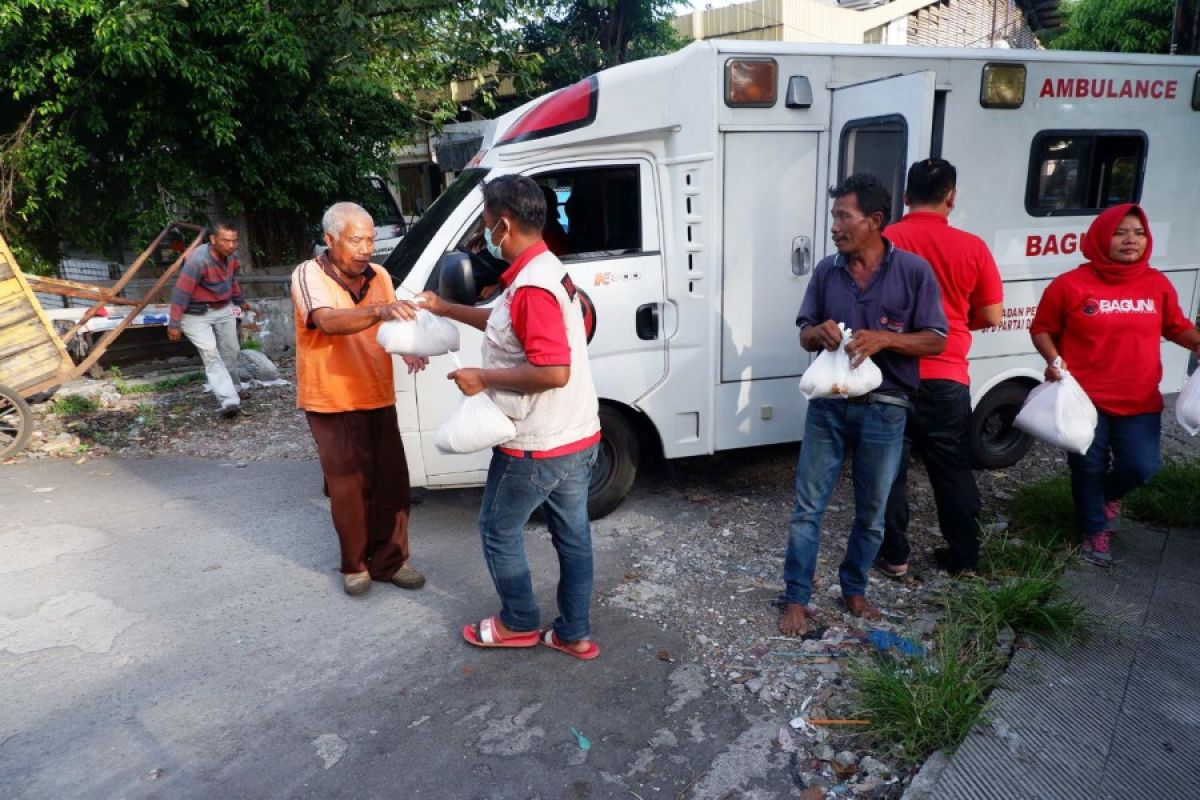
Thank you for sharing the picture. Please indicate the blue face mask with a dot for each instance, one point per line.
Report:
(493, 248)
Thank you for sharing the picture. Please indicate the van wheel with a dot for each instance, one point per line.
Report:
(616, 463)
(16, 422)
(994, 441)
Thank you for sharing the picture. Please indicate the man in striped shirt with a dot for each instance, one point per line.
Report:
(202, 304)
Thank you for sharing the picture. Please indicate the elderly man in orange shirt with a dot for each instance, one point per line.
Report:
(345, 386)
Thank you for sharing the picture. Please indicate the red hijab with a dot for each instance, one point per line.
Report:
(1098, 242)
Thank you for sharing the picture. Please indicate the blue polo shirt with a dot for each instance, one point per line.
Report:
(902, 297)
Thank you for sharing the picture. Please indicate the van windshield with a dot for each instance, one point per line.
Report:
(402, 259)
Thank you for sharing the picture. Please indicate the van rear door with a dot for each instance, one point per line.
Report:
(880, 127)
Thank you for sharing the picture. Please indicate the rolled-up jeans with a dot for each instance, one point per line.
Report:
(515, 487)
(876, 432)
(214, 334)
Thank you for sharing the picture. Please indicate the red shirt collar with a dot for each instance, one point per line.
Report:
(518, 264)
(925, 216)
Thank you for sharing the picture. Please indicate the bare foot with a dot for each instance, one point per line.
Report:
(504, 632)
(858, 606)
(581, 646)
(794, 621)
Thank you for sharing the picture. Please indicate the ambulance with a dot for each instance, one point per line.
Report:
(692, 192)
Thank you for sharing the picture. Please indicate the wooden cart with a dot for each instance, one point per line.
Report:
(33, 357)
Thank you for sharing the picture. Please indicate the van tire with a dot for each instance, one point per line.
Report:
(993, 441)
(616, 464)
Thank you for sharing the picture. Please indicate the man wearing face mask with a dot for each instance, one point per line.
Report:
(536, 370)
(890, 299)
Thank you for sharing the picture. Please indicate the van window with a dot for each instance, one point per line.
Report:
(597, 211)
(1073, 173)
(878, 147)
(410, 248)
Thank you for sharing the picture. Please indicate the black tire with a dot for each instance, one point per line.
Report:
(617, 464)
(16, 422)
(994, 442)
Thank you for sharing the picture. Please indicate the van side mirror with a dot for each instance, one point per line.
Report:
(456, 278)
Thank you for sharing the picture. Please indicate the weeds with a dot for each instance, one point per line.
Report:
(252, 344)
(928, 703)
(165, 385)
(1171, 498)
(71, 404)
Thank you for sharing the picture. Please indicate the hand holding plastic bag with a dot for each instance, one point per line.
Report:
(427, 335)
(1187, 405)
(476, 425)
(830, 374)
(1059, 413)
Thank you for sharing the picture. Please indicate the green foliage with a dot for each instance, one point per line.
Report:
(72, 404)
(252, 344)
(1044, 514)
(1030, 605)
(1116, 26)
(121, 114)
(576, 38)
(929, 703)
(1172, 498)
(164, 385)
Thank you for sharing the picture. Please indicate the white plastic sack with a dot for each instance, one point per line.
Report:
(476, 425)
(427, 335)
(1187, 405)
(1059, 413)
(830, 374)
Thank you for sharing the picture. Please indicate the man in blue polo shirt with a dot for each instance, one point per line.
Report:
(890, 299)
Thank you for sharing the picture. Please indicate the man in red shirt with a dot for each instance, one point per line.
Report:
(535, 369)
(972, 297)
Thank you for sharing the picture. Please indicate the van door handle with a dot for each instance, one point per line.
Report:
(801, 255)
(646, 321)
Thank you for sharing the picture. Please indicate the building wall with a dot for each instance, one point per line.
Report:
(798, 21)
(970, 23)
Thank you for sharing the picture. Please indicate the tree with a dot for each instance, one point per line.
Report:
(1117, 26)
(576, 38)
(116, 115)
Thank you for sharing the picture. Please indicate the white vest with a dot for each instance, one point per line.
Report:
(555, 417)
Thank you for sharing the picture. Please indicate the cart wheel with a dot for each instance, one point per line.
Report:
(16, 422)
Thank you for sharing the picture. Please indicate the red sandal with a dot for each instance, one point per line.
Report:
(485, 633)
(551, 640)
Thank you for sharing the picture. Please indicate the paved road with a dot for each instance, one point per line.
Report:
(176, 628)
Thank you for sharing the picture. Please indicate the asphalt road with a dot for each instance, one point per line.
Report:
(176, 628)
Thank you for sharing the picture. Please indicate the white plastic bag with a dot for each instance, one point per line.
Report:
(1059, 413)
(830, 374)
(476, 425)
(1187, 405)
(427, 335)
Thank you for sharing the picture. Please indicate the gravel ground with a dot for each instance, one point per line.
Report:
(704, 541)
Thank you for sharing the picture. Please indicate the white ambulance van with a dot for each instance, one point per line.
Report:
(694, 189)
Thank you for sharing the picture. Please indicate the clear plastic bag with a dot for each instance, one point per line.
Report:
(427, 335)
(1059, 413)
(830, 374)
(477, 424)
(1187, 405)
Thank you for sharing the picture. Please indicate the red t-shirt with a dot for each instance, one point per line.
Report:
(967, 275)
(1109, 333)
(538, 323)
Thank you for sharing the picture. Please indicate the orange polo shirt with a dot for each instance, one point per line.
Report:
(339, 373)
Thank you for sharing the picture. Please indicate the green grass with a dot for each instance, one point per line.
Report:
(69, 404)
(252, 344)
(930, 703)
(1172, 498)
(165, 385)
(1043, 513)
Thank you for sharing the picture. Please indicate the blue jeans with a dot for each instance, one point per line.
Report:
(1124, 455)
(515, 488)
(876, 433)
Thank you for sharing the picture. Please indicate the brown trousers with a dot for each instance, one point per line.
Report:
(366, 481)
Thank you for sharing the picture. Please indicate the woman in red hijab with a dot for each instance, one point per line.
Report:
(1104, 319)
